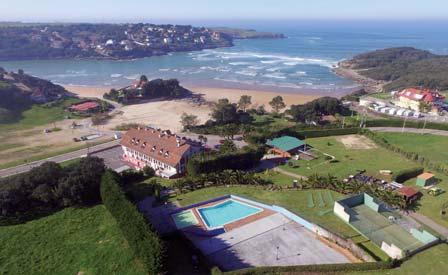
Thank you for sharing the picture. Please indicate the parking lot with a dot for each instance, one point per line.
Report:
(112, 158)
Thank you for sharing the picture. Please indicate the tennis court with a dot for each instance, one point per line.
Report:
(378, 228)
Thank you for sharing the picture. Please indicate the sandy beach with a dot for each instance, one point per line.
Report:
(166, 114)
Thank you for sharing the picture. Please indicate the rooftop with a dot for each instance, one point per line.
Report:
(285, 143)
(85, 106)
(160, 145)
(426, 176)
(408, 192)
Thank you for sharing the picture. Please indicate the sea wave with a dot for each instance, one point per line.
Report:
(116, 75)
(276, 75)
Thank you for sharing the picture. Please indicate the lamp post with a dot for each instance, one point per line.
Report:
(278, 247)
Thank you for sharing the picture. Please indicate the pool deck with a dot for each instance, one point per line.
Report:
(230, 226)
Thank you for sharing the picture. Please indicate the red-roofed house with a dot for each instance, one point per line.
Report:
(85, 107)
(416, 98)
(409, 193)
(166, 153)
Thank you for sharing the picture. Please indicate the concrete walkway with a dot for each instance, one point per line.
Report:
(280, 170)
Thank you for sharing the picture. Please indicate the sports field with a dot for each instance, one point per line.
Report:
(378, 228)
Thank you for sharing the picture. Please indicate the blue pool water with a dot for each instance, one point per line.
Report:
(226, 212)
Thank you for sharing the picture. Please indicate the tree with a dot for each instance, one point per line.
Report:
(149, 172)
(277, 104)
(143, 79)
(203, 139)
(244, 102)
(188, 121)
(229, 131)
(228, 147)
(224, 112)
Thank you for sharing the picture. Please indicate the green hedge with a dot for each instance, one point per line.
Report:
(206, 163)
(261, 138)
(144, 242)
(407, 174)
(391, 122)
(316, 268)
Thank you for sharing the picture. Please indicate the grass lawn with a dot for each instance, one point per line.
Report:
(39, 115)
(429, 146)
(348, 160)
(67, 242)
(429, 262)
(271, 122)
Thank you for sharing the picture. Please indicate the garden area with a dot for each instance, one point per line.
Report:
(347, 161)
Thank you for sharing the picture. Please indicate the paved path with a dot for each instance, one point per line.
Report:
(409, 130)
(442, 230)
(61, 158)
(277, 169)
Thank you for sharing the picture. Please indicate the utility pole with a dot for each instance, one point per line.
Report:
(343, 122)
(424, 124)
(404, 124)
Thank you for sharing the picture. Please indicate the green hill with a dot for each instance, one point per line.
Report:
(19, 92)
(402, 67)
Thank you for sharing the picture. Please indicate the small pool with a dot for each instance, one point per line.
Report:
(226, 212)
(184, 219)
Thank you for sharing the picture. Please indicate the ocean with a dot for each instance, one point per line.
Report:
(301, 63)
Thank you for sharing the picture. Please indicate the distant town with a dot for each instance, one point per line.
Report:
(112, 41)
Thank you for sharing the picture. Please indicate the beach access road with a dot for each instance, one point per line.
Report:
(58, 159)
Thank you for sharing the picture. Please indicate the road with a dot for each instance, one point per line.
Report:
(442, 230)
(409, 130)
(61, 158)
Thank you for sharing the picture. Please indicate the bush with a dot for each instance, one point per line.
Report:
(48, 188)
(212, 162)
(317, 268)
(140, 236)
(407, 174)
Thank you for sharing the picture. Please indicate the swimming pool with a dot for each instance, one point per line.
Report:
(226, 212)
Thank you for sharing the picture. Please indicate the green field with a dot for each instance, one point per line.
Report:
(429, 146)
(39, 115)
(67, 242)
(348, 161)
(429, 262)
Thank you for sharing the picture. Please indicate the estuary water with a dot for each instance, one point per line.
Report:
(302, 62)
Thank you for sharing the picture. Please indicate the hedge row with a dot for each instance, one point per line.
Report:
(144, 242)
(410, 124)
(407, 174)
(301, 133)
(316, 268)
(436, 166)
(207, 163)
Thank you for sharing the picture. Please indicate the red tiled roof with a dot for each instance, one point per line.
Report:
(426, 176)
(408, 192)
(157, 144)
(85, 106)
(419, 94)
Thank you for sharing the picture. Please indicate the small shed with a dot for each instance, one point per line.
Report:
(426, 179)
(286, 146)
(409, 193)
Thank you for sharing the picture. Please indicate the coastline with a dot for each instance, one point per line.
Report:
(212, 94)
(368, 84)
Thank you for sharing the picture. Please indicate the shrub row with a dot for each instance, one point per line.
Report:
(144, 242)
(206, 163)
(410, 124)
(316, 268)
(301, 133)
(407, 174)
(436, 166)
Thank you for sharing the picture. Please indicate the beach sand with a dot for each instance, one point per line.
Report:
(166, 114)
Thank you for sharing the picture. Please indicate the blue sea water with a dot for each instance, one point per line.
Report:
(302, 62)
(226, 212)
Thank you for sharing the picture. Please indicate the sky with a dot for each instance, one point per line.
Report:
(197, 10)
